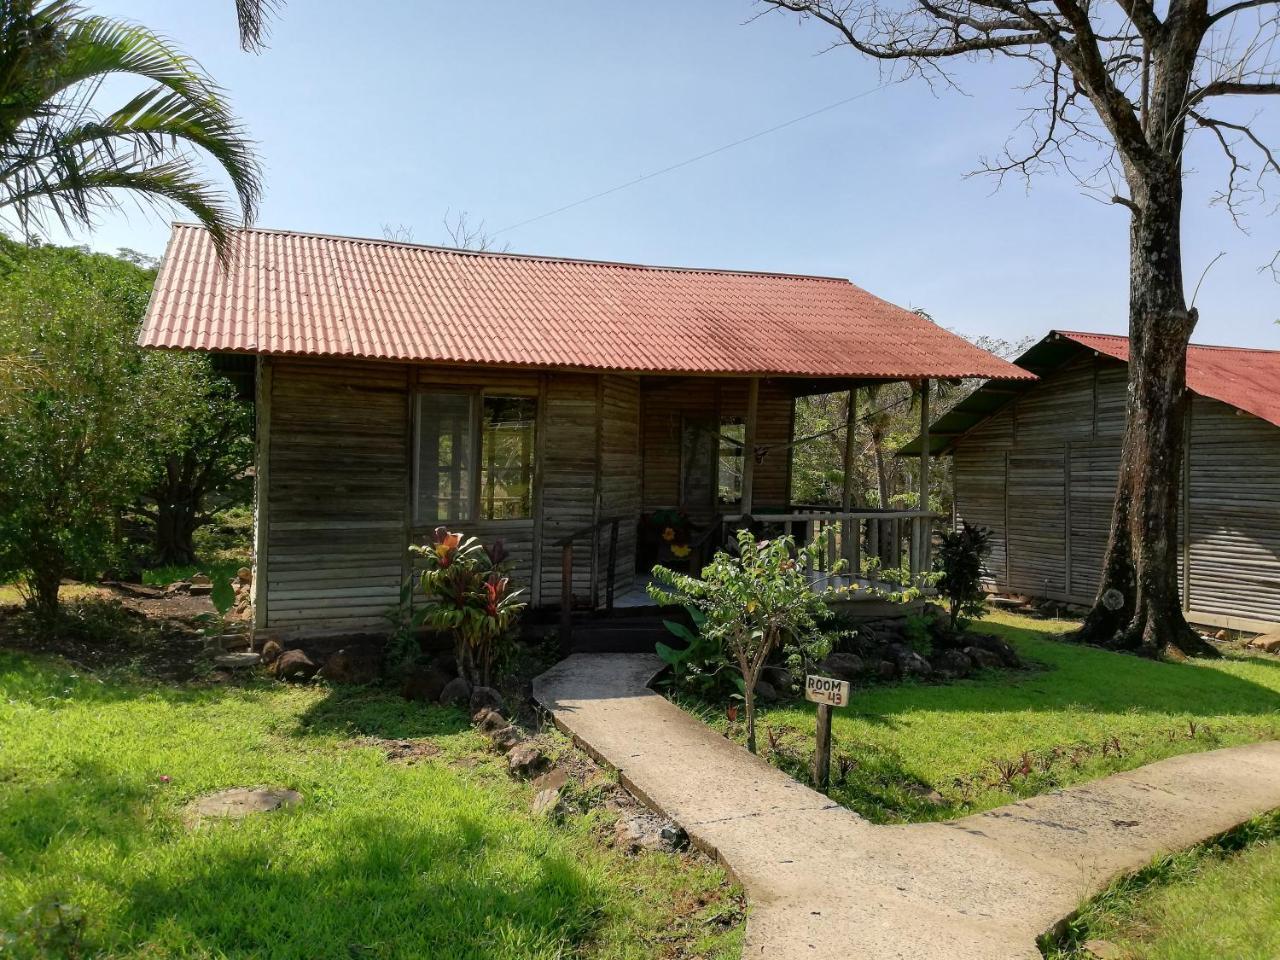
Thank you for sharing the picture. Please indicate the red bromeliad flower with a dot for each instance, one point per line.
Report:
(495, 589)
(445, 545)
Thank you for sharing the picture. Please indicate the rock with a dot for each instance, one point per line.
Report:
(424, 686)
(1102, 950)
(910, 663)
(1222, 635)
(765, 692)
(456, 693)
(200, 580)
(1001, 648)
(488, 721)
(952, 663)
(242, 801)
(178, 589)
(410, 751)
(238, 660)
(506, 738)
(526, 760)
(922, 791)
(842, 666)
(486, 698)
(983, 659)
(545, 802)
(200, 590)
(552, 780)
(271, 651)
(294, 665)
(350, 666)
(244, 575)
(888, 670)
(646, 831)
(1268, 642)
(778, 677)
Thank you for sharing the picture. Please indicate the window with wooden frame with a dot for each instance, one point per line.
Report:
(732, 443)
(473, 456)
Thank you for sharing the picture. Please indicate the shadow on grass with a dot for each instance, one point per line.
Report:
(294, 885)
(378, 712)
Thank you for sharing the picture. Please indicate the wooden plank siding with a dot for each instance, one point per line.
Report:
(335, 515)
(1041, 475)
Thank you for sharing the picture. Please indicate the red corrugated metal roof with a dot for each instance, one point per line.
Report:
(1246, 379)
(294, 293)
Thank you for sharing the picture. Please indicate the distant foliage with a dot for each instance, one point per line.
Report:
(960, 558)
(468, 595)
(751, 604)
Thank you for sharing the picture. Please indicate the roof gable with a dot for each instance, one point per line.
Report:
(308, 294)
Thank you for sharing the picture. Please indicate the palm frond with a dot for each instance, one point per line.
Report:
(253, 16)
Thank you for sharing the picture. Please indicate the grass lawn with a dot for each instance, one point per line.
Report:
(437, 859)
(1081, 714)
(1218, 901)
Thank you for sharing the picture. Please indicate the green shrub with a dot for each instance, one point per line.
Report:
(960, 559)
(752, 603)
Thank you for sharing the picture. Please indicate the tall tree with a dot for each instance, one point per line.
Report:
(1132, 80)
(61, 155)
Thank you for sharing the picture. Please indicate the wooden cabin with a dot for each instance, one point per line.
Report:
(1037, 464)
(575, 409)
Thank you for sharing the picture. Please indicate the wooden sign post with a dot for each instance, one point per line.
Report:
(826, 693)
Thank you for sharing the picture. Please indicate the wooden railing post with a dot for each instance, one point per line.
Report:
(913, 559)
(566, 599)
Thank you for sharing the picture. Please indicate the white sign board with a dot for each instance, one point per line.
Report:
(834, 693)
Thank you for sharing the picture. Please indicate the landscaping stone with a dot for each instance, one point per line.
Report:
(842, 666)
(270, 652)
(647, 831)
(553, 779)
(910, 663)
(1001, 648)
(486, 698)
(242, 801)
(765, 692)
(545, 802)
(456, 693)
(778, 677)
(489, 721)
(922, 791)
(177, 589)
(888, 670)
(506, 738)
(294, 665)
(410, 751)
(1102, 950)
(952, 663)
(526, 760)
(200, 585)
(353, 667)
(244, 575)
(983, 659)
(1267, 642)
(424, 686)
(238, 660)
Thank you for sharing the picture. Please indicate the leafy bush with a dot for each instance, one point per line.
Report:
(960, 559)
(469, 596)
(701, 669)
(752, 603)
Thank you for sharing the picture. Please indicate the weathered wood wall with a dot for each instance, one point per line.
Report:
(1041, 475)
(667, 403)
(337, 513)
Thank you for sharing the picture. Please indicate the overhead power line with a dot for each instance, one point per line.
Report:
(690, 160)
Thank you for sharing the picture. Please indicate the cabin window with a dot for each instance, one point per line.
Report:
(506, 460)
(445, 453)
(733, 435)
(474, 457)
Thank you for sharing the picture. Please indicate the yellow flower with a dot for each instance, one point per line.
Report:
(680, 550)
(669, 534)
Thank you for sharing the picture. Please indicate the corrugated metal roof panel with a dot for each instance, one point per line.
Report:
(293, 293)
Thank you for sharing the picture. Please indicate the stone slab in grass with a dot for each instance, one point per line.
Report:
(238, 660)
(243, 801)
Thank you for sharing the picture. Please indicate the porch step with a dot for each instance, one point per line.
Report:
(628, 634)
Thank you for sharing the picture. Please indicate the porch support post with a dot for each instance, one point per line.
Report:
(261, 500)
(850, 530)
(749, 444)
(923, 525)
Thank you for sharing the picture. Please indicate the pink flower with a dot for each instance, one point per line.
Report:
(164, 778)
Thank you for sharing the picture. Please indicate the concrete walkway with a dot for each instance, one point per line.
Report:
(823, 882)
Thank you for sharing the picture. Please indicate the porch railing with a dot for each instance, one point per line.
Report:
(888, 535)
(566, 573)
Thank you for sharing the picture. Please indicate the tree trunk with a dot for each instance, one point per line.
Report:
(45, 584)
(749, 695)
(176, 524)
(1138, 607)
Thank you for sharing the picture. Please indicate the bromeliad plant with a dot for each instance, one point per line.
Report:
(752, 604)
(468, 595)
(960, 558)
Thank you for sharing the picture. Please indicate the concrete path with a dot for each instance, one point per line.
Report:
(823, 882)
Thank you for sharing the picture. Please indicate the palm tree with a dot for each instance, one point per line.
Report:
(61, 155)
(252, 16)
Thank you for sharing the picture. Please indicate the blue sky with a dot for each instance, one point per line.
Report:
(509, 109)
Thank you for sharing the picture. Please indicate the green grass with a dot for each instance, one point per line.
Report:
(1080, 714)
(438, 859)
(1218, 900)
